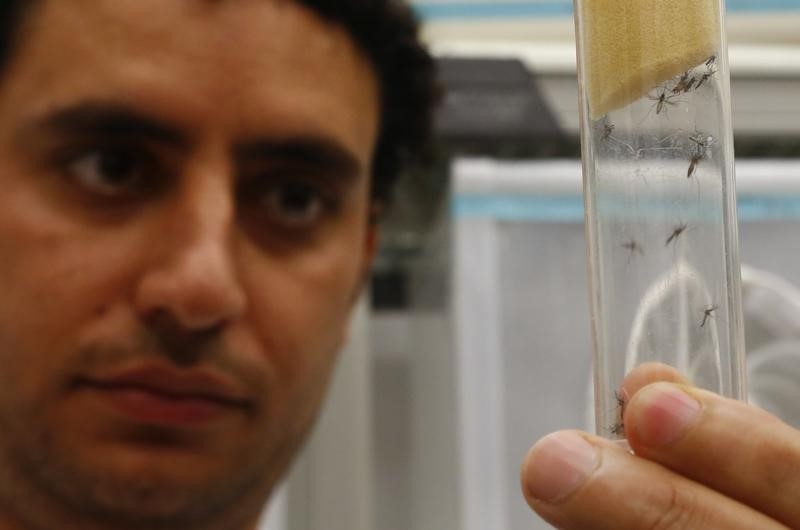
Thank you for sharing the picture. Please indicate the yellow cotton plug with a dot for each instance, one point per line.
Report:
(631, 46)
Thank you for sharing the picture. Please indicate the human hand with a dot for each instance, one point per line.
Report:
(701, 462)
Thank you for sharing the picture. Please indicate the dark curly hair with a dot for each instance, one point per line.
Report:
(387, 32)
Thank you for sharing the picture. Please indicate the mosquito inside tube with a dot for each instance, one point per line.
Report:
(634, 247)
(662, 100)
(708, 312)
(676, 233)
(608, 128)
(684, 84)
(618, 429)
(700, 151)
(694, 161)
(706, 76)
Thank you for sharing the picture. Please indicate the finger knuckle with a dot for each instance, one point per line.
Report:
(779, 468)
(780, 465)
(678, 510)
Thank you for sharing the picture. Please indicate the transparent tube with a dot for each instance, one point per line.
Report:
(661, 228)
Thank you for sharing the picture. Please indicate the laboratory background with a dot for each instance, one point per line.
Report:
(474, 339)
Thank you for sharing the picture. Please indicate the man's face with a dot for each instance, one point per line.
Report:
(183, 230)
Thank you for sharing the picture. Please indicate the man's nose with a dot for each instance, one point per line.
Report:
(192, 278)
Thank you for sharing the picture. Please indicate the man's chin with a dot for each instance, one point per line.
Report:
(154, 487)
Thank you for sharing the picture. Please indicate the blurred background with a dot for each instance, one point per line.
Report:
(475, 340)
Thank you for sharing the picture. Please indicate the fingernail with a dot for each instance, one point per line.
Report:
(557, 465)
(663, 413)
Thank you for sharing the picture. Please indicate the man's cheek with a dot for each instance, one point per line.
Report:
(21, 386)
(25, 374)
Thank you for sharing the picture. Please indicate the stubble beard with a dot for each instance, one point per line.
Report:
(45, 484)
(45, 487)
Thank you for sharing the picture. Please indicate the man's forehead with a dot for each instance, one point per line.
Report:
(229, 36)
(228, 22)
(251, 62)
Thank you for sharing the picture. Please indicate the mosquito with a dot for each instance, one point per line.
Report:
(700, 140)
(711, 60)
(618, 428)
(662, 100)
(676, 233)
(695, 160)
(620, 398)
(634, 247)
(700, 152)
(708, 313)
(608, 128)
(684, 84)
(705, 77)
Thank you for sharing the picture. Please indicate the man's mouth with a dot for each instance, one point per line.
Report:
(167, 396)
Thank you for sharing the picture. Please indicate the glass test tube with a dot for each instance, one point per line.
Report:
(661, 230)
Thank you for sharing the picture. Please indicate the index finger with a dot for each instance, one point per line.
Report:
(727, 445)
(647, 373)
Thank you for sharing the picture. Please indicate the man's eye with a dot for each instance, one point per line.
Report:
(110, 172)
(294, 204)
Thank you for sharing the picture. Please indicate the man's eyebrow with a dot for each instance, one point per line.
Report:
(316, 152)
(112, 120)
(115, 120)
